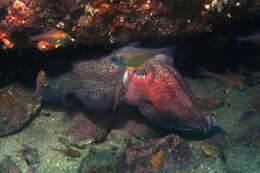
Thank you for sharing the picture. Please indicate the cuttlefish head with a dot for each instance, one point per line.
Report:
(140, 76)
(117, 59)
(47, 89)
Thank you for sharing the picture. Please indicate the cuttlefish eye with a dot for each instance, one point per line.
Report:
(113, 58)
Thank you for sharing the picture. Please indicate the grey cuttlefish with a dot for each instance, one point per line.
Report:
(92, 82)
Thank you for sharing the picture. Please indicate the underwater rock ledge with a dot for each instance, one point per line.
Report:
(105, 22)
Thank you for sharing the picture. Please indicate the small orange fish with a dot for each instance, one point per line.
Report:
(156, 159)
(51, 36)
(209, 150)
(8, 44)
(44, 45)
(3, 35)
(228, 78)
(51, 39)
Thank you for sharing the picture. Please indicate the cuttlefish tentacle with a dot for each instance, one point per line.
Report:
(119, 88)
(118, 91)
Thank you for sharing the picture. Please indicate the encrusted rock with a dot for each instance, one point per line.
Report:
(7, 165)
(17, 108)
(99, 161)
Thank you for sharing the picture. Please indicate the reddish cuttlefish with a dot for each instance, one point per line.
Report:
(163, 97)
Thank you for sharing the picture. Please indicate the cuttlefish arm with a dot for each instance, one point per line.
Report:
(40, 82)
(171, 120)
(120, 87)
(118, 91)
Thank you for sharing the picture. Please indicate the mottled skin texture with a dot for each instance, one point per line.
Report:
(163, 97)
(92, 82)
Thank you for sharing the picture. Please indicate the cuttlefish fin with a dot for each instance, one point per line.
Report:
(118, 90)
(134, 44)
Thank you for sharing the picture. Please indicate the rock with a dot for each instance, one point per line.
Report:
(87, 126)
(167, 155)
(99, 161)
(130, 120)
(209, 150)
(249, 132)
(31, 156)
(82, 129)
(205, 163)
(17, 108)
(241, 159)
(9, 166)
(164, 155)
(179, 157)
(251, 137)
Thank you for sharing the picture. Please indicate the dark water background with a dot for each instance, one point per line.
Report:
(216, 51)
